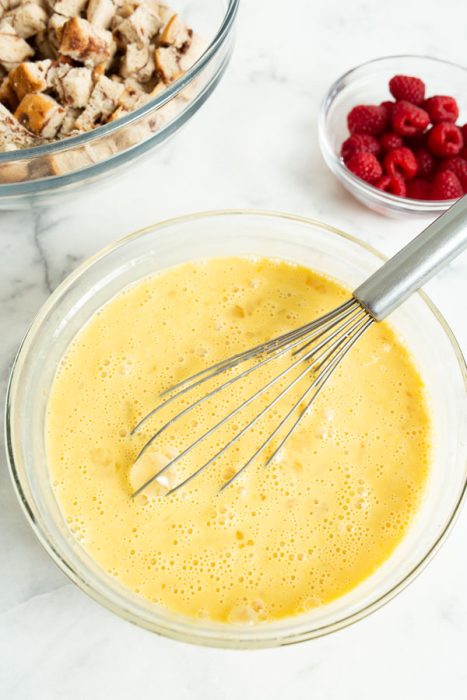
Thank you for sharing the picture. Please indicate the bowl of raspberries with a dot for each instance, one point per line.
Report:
(394, 132)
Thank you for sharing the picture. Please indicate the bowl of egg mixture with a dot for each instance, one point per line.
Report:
(343, 517)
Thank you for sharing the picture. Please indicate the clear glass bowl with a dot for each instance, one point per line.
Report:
(368, 84)
(232, 233)
(27, 176)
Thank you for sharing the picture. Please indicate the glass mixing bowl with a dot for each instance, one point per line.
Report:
(27, 175)
(214, 234)
(368, 84)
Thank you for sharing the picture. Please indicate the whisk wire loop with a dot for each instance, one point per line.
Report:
(336, 331)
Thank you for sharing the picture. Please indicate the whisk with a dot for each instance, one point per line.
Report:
(315, 349)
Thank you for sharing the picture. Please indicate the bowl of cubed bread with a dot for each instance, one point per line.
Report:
(88, 86)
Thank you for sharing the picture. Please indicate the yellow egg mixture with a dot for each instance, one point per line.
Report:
(281, 539)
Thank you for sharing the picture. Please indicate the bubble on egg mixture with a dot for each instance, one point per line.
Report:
(282, 539)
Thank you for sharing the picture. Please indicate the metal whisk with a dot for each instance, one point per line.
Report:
(317, 348)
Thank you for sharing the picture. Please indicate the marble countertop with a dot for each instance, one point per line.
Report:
(254, 144)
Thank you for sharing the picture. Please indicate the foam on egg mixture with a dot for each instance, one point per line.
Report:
(282, 539)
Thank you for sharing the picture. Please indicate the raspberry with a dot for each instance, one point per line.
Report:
(441, 108)
(388, 107)
(426, 162)
(458, 166)
(367, 119)
(394, 184)
(365, 166)
(405, 87)
(408, 120)
(359, 143)
(445, 139)
(401, 161)
(464, 133)
(418, 188)
(445, 185)
(390, 140)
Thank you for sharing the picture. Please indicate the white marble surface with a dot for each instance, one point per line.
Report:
(254, 144)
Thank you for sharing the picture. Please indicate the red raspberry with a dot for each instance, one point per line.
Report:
(426, 162)
(445, 139)
(418, 188)
(359, 143)
(367, 119)
(464, 132)
(441, 108)
(408, 120)
(390, 140)
(458, 166)
(401, 161)
(365, 166)
(394, 184)
(388, 107)
(445, 185)
(404, 87)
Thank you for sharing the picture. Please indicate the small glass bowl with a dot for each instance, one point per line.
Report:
(205, 235)
(368, 84)
(39, 174)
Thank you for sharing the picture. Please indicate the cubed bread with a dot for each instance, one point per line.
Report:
(72, 85)
(40, 114)
(13, 172)
(84, 43)
(13, 48)
(55, 28)
(12, 134)
(69, 161)
(68, 8)
(68, 123)
(67, 66)
(27, 19)
(167, 63)
(100, 12)
(175, 33)
(138, 28)
(8, 96)
(138, 62)
(30, 77)
(103, 101)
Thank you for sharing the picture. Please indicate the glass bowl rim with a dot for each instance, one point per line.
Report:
(158, 101)
(189, 633)
(393, 201)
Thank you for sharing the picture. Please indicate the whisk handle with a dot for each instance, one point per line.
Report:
(416, 263)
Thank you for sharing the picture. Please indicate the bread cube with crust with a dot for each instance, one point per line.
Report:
(12, 134)
(13, 172)
(103, 101)
(28, 19)
(100, 12)
(55, 28)
(68, 123)
(192, 53)
(13, 48)
(167, 63)
(73, 85)
(138, 62)
(138, 28)
(8, 96)
(86, 44)
(30, 77)
(175, 33)
(68, 8)
(69, 161)
(40, 114)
